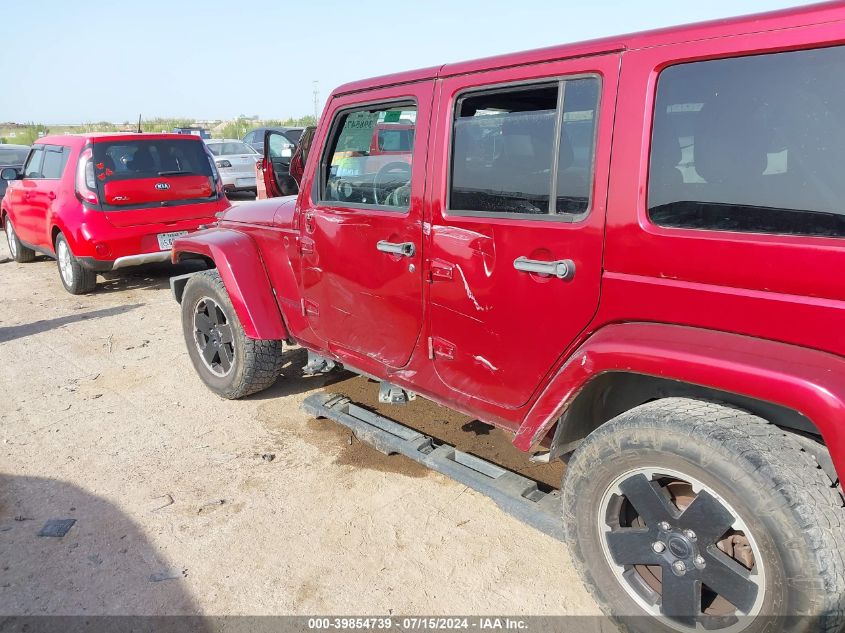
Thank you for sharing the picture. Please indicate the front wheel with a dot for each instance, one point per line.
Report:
(17, 250)
(76, 279)
(229, 363)
(685, 515)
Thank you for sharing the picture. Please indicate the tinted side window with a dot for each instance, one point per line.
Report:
(577, 146)
(503, 144)
(55, 158)
(369, 159)
(32, 169)
(751, 144)
(507, 156)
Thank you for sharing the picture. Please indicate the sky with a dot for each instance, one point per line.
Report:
(81, 61)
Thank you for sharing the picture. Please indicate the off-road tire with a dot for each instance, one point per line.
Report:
(17, 250)
(256, 364)
(76, 278)
(779, 490)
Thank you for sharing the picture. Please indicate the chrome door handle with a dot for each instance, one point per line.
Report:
(403, 249)
(562, 268)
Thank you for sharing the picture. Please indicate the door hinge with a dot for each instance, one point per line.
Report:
(309, 308)
(438, 348)
(440, 271)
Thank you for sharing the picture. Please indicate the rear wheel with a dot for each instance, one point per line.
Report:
(231, 364)
(701, 515)
(17, 250)
(76, 279)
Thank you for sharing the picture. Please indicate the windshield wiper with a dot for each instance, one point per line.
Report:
(177, 172)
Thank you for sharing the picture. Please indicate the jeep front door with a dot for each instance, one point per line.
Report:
(516, 244)
(361, 229)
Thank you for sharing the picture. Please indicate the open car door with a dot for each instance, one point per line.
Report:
(300, 153)
(278, 152)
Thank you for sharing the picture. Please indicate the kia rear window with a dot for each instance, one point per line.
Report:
(134, 159)
(751, 144)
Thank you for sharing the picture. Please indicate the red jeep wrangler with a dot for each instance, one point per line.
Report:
(101, 202)
(626, 252)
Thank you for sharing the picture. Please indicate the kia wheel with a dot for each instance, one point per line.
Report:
(685, 515)
(17, 250)
(76, 279)
(231, 364)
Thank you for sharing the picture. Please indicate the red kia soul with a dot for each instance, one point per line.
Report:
(100, 202)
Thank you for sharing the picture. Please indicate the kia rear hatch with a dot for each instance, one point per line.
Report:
(145, 181)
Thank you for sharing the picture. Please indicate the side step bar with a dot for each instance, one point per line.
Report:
(515, 494)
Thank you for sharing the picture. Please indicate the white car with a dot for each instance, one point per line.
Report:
(236, 163)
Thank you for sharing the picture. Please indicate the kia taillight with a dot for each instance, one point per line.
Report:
(86, 183)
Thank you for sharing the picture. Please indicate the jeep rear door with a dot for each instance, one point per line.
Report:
(518, 221)
(361, 228)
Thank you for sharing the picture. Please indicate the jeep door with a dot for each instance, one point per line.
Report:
(361, 227)
(518, 222)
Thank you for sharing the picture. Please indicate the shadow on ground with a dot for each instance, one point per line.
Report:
(147, 277)
(13, 332)
(103, 565)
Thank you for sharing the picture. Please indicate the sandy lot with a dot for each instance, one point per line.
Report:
(103, 420)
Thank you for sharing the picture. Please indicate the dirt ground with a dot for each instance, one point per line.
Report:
(180, 507)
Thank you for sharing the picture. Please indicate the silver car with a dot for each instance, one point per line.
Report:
(236, 163)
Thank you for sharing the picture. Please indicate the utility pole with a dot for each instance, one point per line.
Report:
(316, 98)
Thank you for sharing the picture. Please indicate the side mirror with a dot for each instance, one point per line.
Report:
(8, 173)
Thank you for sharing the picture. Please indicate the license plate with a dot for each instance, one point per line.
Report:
(245, 182)
(165, 240)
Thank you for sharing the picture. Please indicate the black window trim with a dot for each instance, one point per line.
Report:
(325, 159)
(560, 81)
